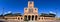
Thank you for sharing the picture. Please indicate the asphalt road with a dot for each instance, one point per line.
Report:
(2, 20)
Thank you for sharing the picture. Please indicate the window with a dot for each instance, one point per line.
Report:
(26, 9)
(42, 18)
(39, 18)
(35, 9)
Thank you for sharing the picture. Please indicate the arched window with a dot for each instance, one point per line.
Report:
(26, 9)
(35, 9)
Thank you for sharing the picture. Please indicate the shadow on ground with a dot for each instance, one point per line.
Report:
(1, 21)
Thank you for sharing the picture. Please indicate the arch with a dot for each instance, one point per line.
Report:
(29, 17)
(18, 18)
(36, 17)
(21, 18)
(25, 18)
(39, 18)
(32, 17)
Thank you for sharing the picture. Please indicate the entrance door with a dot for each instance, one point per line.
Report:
(32, 17)
(29, 17)
(25, 18)
(36, 17)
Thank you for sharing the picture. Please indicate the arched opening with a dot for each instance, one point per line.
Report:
(39, 18)
(5, 18)
(29, 17)
(36, 17)
(32, 17)
(25, 18)
(21, 18)
(18, 18)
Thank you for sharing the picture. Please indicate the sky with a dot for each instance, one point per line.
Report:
(44, 6)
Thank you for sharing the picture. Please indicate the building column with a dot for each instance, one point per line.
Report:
(34, 17)
(31, 17)
(37, 18)
(43, 18)
(17, 18)
(27, 17)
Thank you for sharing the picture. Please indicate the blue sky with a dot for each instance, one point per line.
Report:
(42, 5)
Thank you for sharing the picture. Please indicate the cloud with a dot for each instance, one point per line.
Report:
(52, 12)
(9, 12)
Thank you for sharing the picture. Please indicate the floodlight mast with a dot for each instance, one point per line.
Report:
(3, 11)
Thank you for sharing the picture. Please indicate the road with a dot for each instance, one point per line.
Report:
(2, 20)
